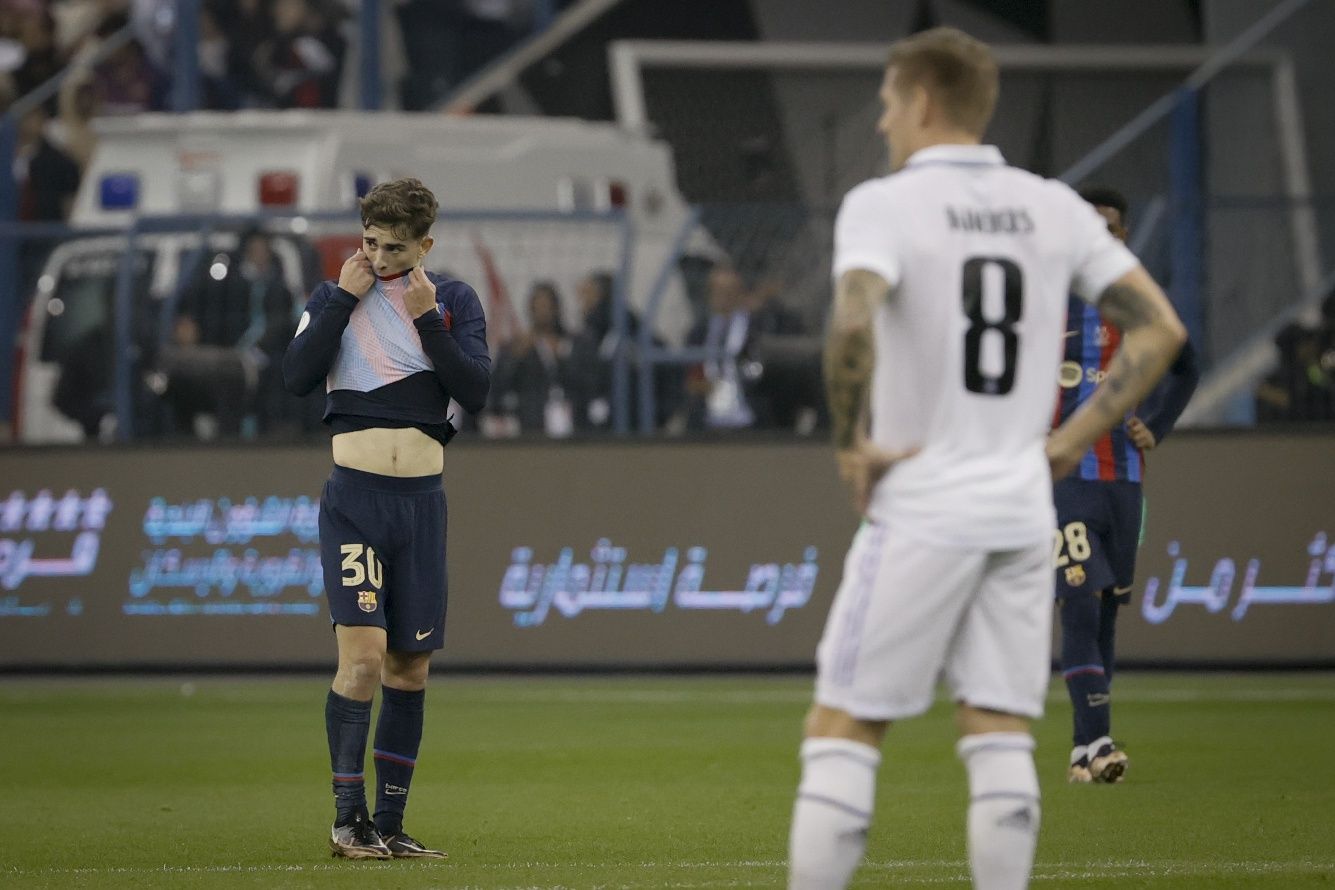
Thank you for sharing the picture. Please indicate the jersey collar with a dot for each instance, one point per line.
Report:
(957, 155)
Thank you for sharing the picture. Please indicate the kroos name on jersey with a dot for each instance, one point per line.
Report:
(1006, 221)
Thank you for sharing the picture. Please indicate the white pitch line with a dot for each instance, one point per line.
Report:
(1243, 696)
(462, 690)
(802, 696)
(1042, 871)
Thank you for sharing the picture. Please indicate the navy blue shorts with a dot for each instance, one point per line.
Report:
(1098, 532)
(382, 548)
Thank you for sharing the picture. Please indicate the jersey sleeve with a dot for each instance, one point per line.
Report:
(314, 347)
(1100, 259)
(1169, 399)
(864, 234)
(458, 351)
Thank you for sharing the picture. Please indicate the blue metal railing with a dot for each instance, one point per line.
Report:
(185, 92)
(1186, 178)
(621, 321)
(650, 356)
(368, 25)
(124, 298)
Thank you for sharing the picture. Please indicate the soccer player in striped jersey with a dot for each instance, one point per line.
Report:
(1100, 514)
(951, 278)
(393, 344)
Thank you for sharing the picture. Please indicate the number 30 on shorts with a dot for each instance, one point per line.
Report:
(1074, 538)
(354, 572)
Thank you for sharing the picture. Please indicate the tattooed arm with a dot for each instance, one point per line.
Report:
(1152, 336)
(850, 353)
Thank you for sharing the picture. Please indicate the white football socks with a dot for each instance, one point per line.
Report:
(832, 814)
(1003, 808)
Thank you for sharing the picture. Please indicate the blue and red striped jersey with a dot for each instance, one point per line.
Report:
(1090, 344)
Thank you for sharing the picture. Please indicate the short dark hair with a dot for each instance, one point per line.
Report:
(603, 281)
(958, 69)
(252, 229)
(1102, 196)
(404, 206)
(549, 288)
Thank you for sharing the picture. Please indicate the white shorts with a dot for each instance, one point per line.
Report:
(908, 613)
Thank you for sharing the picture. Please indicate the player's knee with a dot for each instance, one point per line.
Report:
(976, 721)
(811, 725)
(823, 722)
(361, 665)
(407, 671)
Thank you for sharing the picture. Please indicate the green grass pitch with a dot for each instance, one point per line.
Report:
(639, 783)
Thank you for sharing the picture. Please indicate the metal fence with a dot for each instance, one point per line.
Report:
(1208, 143)
(98, 353)
(767, 138)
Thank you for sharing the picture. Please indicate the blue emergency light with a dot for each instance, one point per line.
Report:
(120, 191)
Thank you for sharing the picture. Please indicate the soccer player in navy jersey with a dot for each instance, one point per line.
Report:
(1099, 517)
(393, 344)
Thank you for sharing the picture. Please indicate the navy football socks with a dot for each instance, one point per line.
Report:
(347, 723)
(398, 734)
(1082, 668)
(1108, 606)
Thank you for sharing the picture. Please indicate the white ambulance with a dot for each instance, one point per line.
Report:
(523, 200)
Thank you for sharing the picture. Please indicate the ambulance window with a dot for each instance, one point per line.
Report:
(82, 300)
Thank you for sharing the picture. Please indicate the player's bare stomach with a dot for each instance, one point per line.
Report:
(390, 452)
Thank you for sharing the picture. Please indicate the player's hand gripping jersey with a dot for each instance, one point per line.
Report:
(981, 258)
(380, 362)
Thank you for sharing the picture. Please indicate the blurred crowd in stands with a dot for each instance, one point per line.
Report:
(1302, 387)
(754, 363)
(251, 54)
(753, 367)
(750, 362)
(208, 365)
(205, 362)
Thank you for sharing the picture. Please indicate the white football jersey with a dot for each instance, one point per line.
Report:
(981, 258)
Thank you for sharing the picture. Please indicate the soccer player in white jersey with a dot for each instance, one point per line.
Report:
(952, 276)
